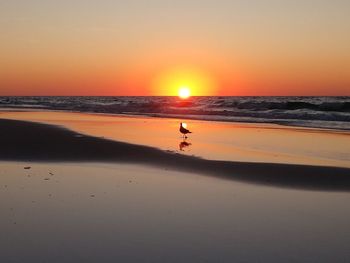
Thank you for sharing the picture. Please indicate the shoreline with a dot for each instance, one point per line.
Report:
(242, 142)
(37, 142)
(283, 123)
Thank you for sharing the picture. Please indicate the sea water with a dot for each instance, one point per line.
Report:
(318, 112)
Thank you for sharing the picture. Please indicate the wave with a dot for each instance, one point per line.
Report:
(321, 112)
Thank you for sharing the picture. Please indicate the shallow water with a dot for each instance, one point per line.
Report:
(210, 140)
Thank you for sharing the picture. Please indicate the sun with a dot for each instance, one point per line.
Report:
(184, 81)
(184, 92)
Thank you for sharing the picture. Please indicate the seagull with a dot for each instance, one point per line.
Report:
(183, 130)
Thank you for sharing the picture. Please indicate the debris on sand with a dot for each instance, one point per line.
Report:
(27, 167)
(92, 195)
(46, 179)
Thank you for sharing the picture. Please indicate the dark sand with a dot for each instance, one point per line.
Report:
(86, 199)
(28, 141)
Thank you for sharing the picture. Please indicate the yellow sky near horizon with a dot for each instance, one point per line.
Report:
(221, 47)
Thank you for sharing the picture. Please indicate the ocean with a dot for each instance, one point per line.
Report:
(316, 112)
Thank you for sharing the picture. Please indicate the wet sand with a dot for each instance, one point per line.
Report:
(245, 142)
(72, 196)
(93, 212)
(27, 141)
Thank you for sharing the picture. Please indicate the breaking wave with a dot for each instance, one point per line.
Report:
(320, 112)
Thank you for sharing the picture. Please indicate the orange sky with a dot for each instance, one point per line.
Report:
(137, 48)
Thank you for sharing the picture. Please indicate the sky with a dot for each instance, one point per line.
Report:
(154, 47)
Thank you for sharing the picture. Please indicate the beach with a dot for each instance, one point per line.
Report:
(101, 188)
(174, 131)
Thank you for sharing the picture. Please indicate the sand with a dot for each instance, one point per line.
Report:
(95, 212)
(68, 195)
(211, 140)
(28, 141)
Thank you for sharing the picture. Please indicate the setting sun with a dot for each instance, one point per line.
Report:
(184, 92)
(184, 81)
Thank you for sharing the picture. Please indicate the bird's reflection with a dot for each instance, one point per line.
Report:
(184, 144)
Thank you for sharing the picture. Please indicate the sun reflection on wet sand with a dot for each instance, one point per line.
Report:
(213, 140)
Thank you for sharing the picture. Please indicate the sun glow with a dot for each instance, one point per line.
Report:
(184, 92)
(184, 82)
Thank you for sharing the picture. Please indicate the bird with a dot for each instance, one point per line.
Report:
(183, 130)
